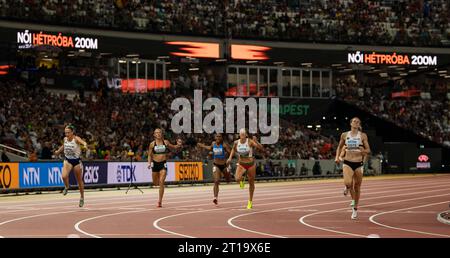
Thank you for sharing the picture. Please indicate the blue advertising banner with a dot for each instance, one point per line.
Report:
(37, 174)
(94, 173)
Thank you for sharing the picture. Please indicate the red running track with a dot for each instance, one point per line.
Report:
(390, 206)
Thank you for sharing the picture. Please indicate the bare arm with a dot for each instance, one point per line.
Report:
(150, 154)
(170, 145)
(233, 150)
(339, 148)
(256, 144)
(59, 150)
(366, 150)
(206, 147)
(227, 147)
(79, 140)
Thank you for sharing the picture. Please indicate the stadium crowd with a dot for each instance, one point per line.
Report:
(426, 114)
(113, 123)
(398, 22)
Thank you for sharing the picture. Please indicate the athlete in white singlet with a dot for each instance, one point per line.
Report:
(246, 161)
(72, 160)
(352, 150)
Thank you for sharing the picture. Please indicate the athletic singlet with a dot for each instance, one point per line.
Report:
(244, 150)
(353, 142)
(218, 151)
(72, 149)
(159, 149)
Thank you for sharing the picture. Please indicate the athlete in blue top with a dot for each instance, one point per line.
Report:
(218, 148)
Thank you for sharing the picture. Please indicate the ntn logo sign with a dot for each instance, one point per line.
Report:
(40, 174)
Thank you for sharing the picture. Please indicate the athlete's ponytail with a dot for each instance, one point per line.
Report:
(71, 127)
(243, 130)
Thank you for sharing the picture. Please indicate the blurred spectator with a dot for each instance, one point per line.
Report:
(32, 156)
(46, 152)
(317, 170)
(303, 170)
(5, 157)
(342, 21)
(429, 118)
(119, 122)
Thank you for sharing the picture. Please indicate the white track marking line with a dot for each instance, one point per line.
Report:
(33, 216)
(189, 193)
(77, 225)
(257, 232)
(302, 219)
(372, 219)
(262, 233)
(237, 192)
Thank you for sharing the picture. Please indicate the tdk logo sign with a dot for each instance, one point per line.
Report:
(124, 173)
(91, 174)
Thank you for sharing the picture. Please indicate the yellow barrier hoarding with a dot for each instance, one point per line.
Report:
(188, 171)
(9, 176)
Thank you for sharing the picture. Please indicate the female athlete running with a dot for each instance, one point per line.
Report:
(246, 161)
(352, 149)
(218, 147)
(72, 160)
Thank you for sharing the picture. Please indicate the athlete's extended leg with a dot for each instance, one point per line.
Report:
(216, 176)
(251, 181)
(238, 176)
(358, 181)
(78, 169)
(162, 180)
(348, 180)
(67, 167)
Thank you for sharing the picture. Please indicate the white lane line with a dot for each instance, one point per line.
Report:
(302, 219)
(372, 219)
(230, 221)
(189, 193)
(33, 216)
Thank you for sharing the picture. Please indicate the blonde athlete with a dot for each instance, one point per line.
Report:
(246, 161)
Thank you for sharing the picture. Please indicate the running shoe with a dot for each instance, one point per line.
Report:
(215, 201)
(81, 204)
(249, 205)
(242, 184)
(159, 205)
(345, 191)
(65, 191)
(354, 213)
